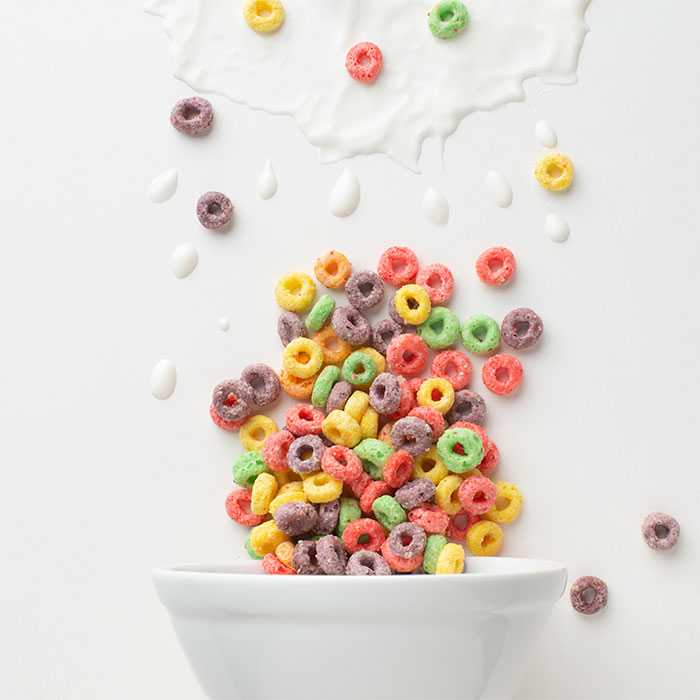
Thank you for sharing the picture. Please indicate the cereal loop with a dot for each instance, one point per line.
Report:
(264, 538)
(459, 525)
(264, 490)
(508, 504)
(485, 538)
(322, 488)
(468, 406)
(255, 431)
(192, 116)
(433, 418)
(363, 534)
(272, 565)
(372, 493)
(323, 385)
(369, 425)
(399, 564)
(398, 266)
(365, 563)
(588, 595)
(296, 387)
(407, 355)
(436, 393)
(302, 358)
(477, 495)
(407, 402)
(496, 266)
(521, 329)
(502, 374)
(334, 349)
(238, 508)
(434, 546)
(441, 329)
(364, 62)
(388, 511)
(320, 313)
(454, 366)
(295, 291)
(460, 449)
(398, 469)
(448, 18)
(332, 270)
(264, 16)
(214, 210)
(555, 172)
(481, 334)
(431, 518)
(356, 405)
(359, 369)
(450, 560)
(430, 466)
(304, 419)
(284, 552)
(364, 290)
(282, 498)
(412, 304)
(446, 494)
(341, 429)
(341, 463)
(350, 325)
(438, 281)
(660, 531)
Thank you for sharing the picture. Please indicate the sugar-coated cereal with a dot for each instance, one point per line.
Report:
(246, 468)
(477, 495)
(398, 468)
(192, 116)
(341, 463)
(446, 494)
(429, 466)
(407, 355)
(341, 429)
(304, 419)
(369, 425)
(436, 393)
(214, 210)
(411, 434)
(349, 511)
(359, 486)
(320, 313)
(364, 290)
(255, 431)
(384, 332)
(555, 172)
(305, 454)
(335, 349)
(448, 18)
(433, 418)
(264, 16)
(296, 387)
(339, 396)
(454, 366)
(459, 525)
(357, 404)
(350, 325)
(229, 425)
(406, 540)
(374, 454)
(232, 400)
(496, 266)
(359, 368)
(388, 511)
(264, 538)
(284, 552)
(507, 505)
(323, 385)
(284, 497)
(364, 533)
(481, 334)
(328, 514)
(468, 406)
(249, 549)
(398, 266)
(438, 281)
(366, 563)
(399, 564)
(378, 358)
(238, 508)
(295, 291)
(490, 461)
(485, 538)
(302, 358)
(385, 393)
(371, 493)
(332, 270)
(407, 403)
(304, 559)
(322, 488)
(286, 478)
(264, 383)
(412, 304)
(415, 493)
(588, 594)
(264, 490)
(272, 565)
(364, 62)
(290, 326)
(433, 547)
(385, 433)
(460, 449)
(450, 560)
(331, 555)
(502, 374)
(430, 517)
(521, 329)
(296, 518)
(477, 429)
(660, 531)
(441, 329)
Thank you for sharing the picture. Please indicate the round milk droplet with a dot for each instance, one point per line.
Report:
(224, 324)
(345, 195)
(184, 259)
(267, 182)
(163, 379)
(499, 189)
(436, 207)
(545, 135)
(557, 229)
(163, 186)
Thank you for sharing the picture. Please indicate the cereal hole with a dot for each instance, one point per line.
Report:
(433, 280)
(258, 434)
(502, 502)
(460, 521)
(437, 325)
(293, 286)
(231, 400)
(364, 60)
(479, 497)
(454, 498)
(554, 171)
(588, 595)
(320, 479)
(521, 328)
(479, 332)
(451, 370)
(458, 449)
(435, 395)
(306, 452)
(257, 382)
(359, 369)
(331, 267)
(661, 531)
(213, 208)
(305, 414)
(412, 303)
(332, 344)
(502, 374)
(427, 464)
(303, 357)
(190, 112)
(263, 9)
(495, 264)
(487, 540)
(363, 538)
(408, 356)
(365, 288)
(398, 265)
(380, 391)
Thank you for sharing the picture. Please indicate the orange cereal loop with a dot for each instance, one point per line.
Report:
(335, 349)
(296, 387)
(333, 269)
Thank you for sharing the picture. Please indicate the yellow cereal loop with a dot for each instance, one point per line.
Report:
(509, 502)
(285, 478)
(429, 466)
(291, 486)
(302, 358)
(357, 404)
(555, 172)
(446, 494)
(412, 303)
(264, 538)
(295, 291)
(341, 429)
(255, 430)
(436, 393)
(450, 560)
(485, 538)
(264, 490)
(284, 552)
(287, 497)
(369, 425)
(322, 488)
(264, 15)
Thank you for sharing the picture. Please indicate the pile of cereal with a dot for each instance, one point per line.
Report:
(384, 466)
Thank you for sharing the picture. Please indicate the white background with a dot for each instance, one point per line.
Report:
(101, 481)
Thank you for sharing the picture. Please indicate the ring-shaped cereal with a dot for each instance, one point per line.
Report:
(436, 393)
(481, 334)
(448, 18)
(263, 382)
(214, 210)
(388, 511)
(450, 560)
(588, 595)
(364, 533)
(284, 497)
(384, 332)
(407, 402)
(460, 449)
(468, 406)
(341, 463)
(407, 355)
(350, 325)
(255, 431)
(412, 434)
(369, 425)
(295, 291)
(521, 329)
(290, 326)
(509, 503)
(284, 552)
(477, 495)
(441, 329)
(454, 366)
(660, 531)
(446, 494)
(374, 454)
(320, 312)
(399, 564)
(334, 348)
(302, 358)
(377, 356)
(555, 172)
(323, 385)
(322, 488)
(438, 281)
(359, 486)
(485, 538)
(485, 442)
(502, 374)
(341, 429)
(273, 566)
(429, 466)
(229, 425)
(364, 290)
(433, 547)
(433, 418)
(359, 369)
(296, 387)
(412, 304)
(266, 537)
(356, 405)
(333, 269)
(398, 469)
(496, 266)
(303, 419)
(264, 490)
(430, 517)
(371, 493)
(238, 508)
(364, 62)
(398, 266)
(264, 16)
(192, 116)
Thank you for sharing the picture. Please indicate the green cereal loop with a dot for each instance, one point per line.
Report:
(247, 468)
(388, 511)
(250, 550)
(320, 313)
(481, 334)
(471, 445)
(433, 546)
(349, 511)
(447, 18)
(441, 329)
(322, 386)
(373, 453)
(361, 361)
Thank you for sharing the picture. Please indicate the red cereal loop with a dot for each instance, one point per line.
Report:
(304, 419)
(431, 518)
(341, 463)
(502, 374)
(415, 383)
(407, 355)
(230, 425)
(485, 442)
(372, 493)
(272, 565)
(408, 401)
(364, 61)
(238, 508)
(398, 469)
(495, 266)
(460, 523)
(358, 486)
(275, 448)
(454, 366)
(364, 533)
(438, 281)
(490, 461)
(477, 495)
(398, 564)
(398, 266)
(433, 418)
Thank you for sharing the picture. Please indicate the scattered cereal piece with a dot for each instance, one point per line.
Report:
(264, 383)
(385, 393)
(192, 116)
(363, 533)
(441, 329)
(335, 350)
(341, 429)
(388, 511)
(295, 291)
(357, 404)
(467, 406)
(454, 366)
(264, 16)
(246, 468)
(660, 531)
(450, 560)
(481, 334)
(555, 172)
(398, 469)
(255, 430)
(431, 518)
(359, 368)
(412, 304)
(364, 62)
(502, 374)
(290, 326)
(371, 493)
(415, 493)
(508, 504)
(320, 313)
(332, 270)
(485, 538)
(477, 495)
(264, 538)
(305, 454)
(303, 419)
(521, 329)
(448, 18)
(398, 266)
(349, 511)
(238, 508)
(434, 546)
(214, 210)
(304, 559)
(296, 518)
(459, 525)
(429, 466)
(366, 563)
(322, 488)
(364, 290)
(432, 417)
(325, 381)
(341, 463)
(446, 494)
(438, 281)
(399, 564)
(302, 358)
(339, 396)
(331, 555)
(350, 325)
(232, 401)
(297, 387)
(384, 332)
(411, 434)
(496, 266)
(588, 594)
(436, 393)
(407, 355)
(460, 449)
(272, 565)
(264, 490)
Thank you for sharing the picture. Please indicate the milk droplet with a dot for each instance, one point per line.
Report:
(267, 182)
(499, 188)
(345, 195)
(163, 379)
(184, 259)
(163, 186)
(557, 229)
(224, 324)
(436, 207)
(545, 135)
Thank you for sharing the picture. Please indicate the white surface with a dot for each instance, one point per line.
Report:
(604, 431)
(228, 621)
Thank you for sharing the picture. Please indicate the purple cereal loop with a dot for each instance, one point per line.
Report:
(660, 531)
(384, 332)
(192, 116)
(415, 493)
(304, 454)
(296, 518)
(339, 395)
(521, 328)
(351, 326)
(331, 555)
(468, 406)
(407, 540)
(366, 563)
(393, 313)
(304, 560)
(327, 517)
(411, 434)
(263, 381)
(225, 407)
(364, 290)
(290, 326)
(588, 595)
(385, 393)
(214, 210)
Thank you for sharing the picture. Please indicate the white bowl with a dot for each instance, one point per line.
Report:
(250, 636)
